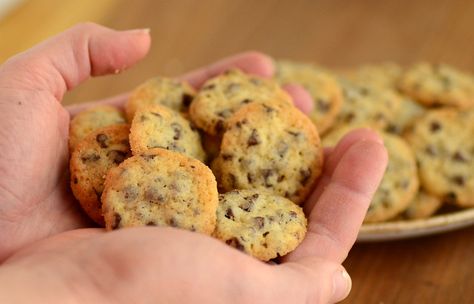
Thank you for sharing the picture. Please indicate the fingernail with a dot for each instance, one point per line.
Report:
(139, 31)
(342, 285)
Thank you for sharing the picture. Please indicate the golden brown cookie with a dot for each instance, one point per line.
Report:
(263, 225)
(270, 148)
(157, 126)
(161, 188)
(92, 158)
(92, 119)
(172, 93)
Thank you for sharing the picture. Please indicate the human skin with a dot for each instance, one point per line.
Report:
(47, 252)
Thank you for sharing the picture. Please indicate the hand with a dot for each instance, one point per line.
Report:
(149, 264)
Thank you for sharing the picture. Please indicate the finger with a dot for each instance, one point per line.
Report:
(301, 97)
(116, 101)
(332, 158)
(250, 62)
(335, 220)
(64, 61)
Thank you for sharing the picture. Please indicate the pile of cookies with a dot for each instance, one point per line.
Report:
(425, 115)
(151, 166)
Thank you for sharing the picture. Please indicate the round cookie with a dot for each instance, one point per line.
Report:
(157, 126)
(93, 157)
(400, 182)
(438, 85)
(92, 119)
(422, 206)
(260, 224)
(222, 96)
(367, 104)
(444, 146)
(161, 188)
(323, 88)
(172, 93)
(270, 148)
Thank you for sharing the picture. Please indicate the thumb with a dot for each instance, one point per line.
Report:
(64, 61)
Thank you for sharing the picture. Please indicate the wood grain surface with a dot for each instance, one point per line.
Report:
(335, 33)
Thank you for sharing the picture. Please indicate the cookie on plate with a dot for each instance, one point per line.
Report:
(157, 126)
(270, 148)
(93, 157)
(322, 86)
(444, 147)
(263, 225)
(222, 96)
(366, 104)
(422, 206)
(438, 85)
(172, 93)
(400, 182)
(161, 188)
(92, 119)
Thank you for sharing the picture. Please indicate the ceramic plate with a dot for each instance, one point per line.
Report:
(415, 228)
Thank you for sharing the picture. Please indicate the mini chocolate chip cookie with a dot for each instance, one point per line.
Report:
(260, 224)
(92, 158)
(270, 148)
(92, 119)
(222, 96)
(157, 126)
(444, 147)
(367, 104)
(322, 86)
(400, 182)
(161, 188)
(438, 85)
(172, 93)
(423, 206)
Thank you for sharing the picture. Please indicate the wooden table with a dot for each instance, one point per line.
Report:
(187, 34)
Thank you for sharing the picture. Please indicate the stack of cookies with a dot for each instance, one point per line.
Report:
(149, 165)
(425, 115)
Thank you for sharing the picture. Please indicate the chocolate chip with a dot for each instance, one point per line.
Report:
(154, 196)
(173, 222)
(254, 139)
(148, 157)
(458, 180)
(156, 114)
(323, 105)
(349, 117)
(259, 222)
(234, 242)
(241, 122)
(430, 150)
(268, 109)
(186, 100)
(459, 157)
(292, 133)
(90, 158)
(143, 118)
(219, 126)
(151, 223)
(75, 181)
(265, 233)
(117, 220)
(435, 126)
(250, 178)
(177, 130)
(249, 202)
(130, 193)
(102, 140)
(293, 214)
(233, 181)
(246, 101)
(227, 156)
(281, 178)
(267, 173)
(305, 175)
(117, 156)
(450, 198)
(229, 214)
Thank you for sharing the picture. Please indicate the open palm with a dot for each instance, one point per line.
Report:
(35, 201)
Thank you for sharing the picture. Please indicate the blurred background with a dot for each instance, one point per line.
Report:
(334, 33)
(188, 33)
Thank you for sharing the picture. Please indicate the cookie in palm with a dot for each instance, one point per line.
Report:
(93, 157)
(92, 119)
(438, 85)
(157, 126)
(444, 147)
(161, 188)
(172, 93)
(400, 182)
(222, 96)
(270, 148)
(323, 88)
(263, 225)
